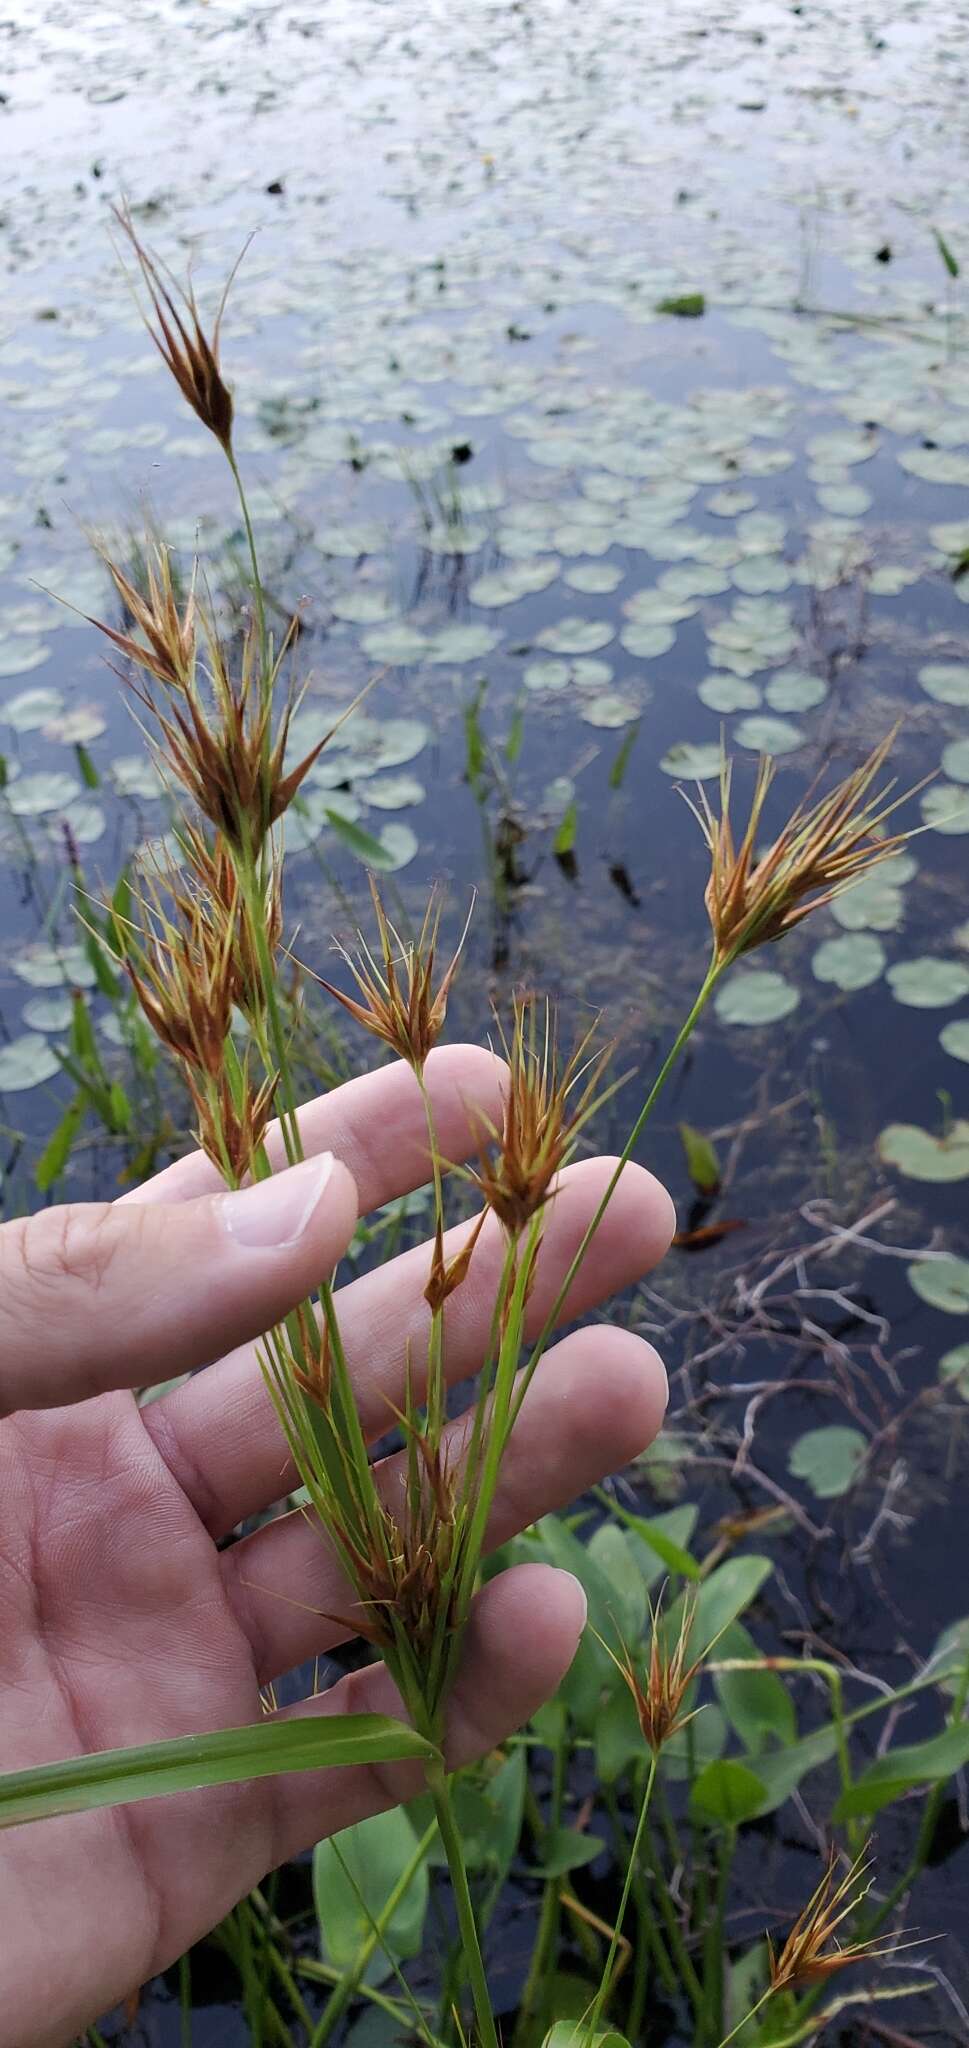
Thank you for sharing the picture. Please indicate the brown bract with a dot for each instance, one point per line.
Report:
(167, 650)
(399, 1003)
(181, 969)
(661, 1690)
(546, 1106)
(811, 1954)
(753, 897)
(181, 341)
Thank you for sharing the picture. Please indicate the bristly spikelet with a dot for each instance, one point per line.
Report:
(187, 351)
(753, 897)
(399, 1003)
(811, 1954)
(167, 648)
(547, 1104)
(180, 966)
(660, 1692)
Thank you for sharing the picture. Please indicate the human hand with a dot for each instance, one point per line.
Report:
(120, 1620)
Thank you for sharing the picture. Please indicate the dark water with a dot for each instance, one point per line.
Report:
(447, 360)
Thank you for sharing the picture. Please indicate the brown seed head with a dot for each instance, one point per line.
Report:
(660, 1691)
(446, 1275)
(221, 899)
(753, 897)
(407, 1569)
(180, 967)
(811, 1953)
(186, 350)
(167, 648)
(546, 1107)
(231, 1122)
(399, 1003)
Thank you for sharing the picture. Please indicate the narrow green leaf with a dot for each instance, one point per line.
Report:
(653, 1531)
(89, 774)
(702, 1163)
(891, 1776)
(231, 1756)
(617, 772)
(516, 733)
(572, 2034)
(564, 841)
(362, 843)
(57, 1150)
(687, 306)
(945, 252)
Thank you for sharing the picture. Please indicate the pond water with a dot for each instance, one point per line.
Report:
(602, 384)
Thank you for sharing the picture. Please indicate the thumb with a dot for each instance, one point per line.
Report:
(119, 1294)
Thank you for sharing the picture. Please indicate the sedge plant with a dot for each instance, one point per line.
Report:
(203, 940)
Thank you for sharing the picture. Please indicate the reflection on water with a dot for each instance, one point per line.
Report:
(488, 465)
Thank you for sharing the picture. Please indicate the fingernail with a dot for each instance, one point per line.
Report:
(580, 1589)
(275, 1212)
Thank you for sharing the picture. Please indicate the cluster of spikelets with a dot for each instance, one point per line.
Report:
(203, 943)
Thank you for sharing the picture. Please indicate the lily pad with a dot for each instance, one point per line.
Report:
(398, 644)
(725, 693)
(514, 581)
(954, 1365)
(922, 1156)
(646, 641)
(462, 643)
(794, 689)
(574, 635)
(945, 807)
(874, 903)
(695, 760)
(50, 790)
(828, 1460)
(954, 1038)
(768, 735)
(19, 659)
(593, 577)
(394, 792)
(946, 681)
(49, 1013)
(46, 966)
(928, 983)
(755, 996)
(955, 760)
(25, 1062)
(943, 1283)
(610, 709)
(31, 709)
(852, 962)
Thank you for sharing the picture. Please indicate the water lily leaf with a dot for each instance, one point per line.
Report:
(852, 962)
(136, 776)
(943, 1283)
(462, 643)
(954, 1366)
(945, 807)
(954, 1038)
(759, 573)
(394, 792)
(828, 1460)
(955, 760)
(18, 659)
(364, 607)
(768, 735)
(694, 760)
(77, 728)
(25, 1062)
(514, 581)
(574, 635)
(646, 641)
(593, 577)
(847, 501)
(922, 1156)
(49, 1013)
(946, 681)
(50, 790)
(45, 966)
(726, 693)
(31, 709)
(397, 644)
(873, 903)
(609, 710)
(793, 689)
(928, 983)
(755, 996)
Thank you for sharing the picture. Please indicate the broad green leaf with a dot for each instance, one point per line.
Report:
(702, 1163)
(355, 1874)
(231, 1756)
(610, 1550)
(954, 1367)
(726, 1793)
(828, 1459)
(757, 1704)
(954, 1038)
(922, 1155)
(565, 1849)
(665, 1538)
(572, 2034)
(721, 1597)
(891, 1776)
(618, 1735)
(943, 1283)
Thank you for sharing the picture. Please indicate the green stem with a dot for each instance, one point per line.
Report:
(754, 2010)
(686, 1029)
(257, 590)
(438, 1787)
(546, 1939)
(928, 1824)
(631, 1866)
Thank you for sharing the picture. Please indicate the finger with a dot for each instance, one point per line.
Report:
(597, 1399)
(376, 1124)
(522, 1636)
(219, 1434)
(98, 1295)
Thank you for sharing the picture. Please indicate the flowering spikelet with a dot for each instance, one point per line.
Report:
(223, 903)
(659, 1694)
(230, 763)
(546, 1106)
(167, 650)
(182, 343)
(181, 969)
(446, 1275)
(399, 1002)
(406, 1578)
(811, 1954)
(231, 1120)
(752, 898)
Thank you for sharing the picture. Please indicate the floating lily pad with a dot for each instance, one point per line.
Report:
(922, 1156)
(828, 1460)
(364, 607)
(946, 681)
(31, 709)
(593, 577)
(645, 641)
(768, 735)
(18, 659)
(757, 574)
(852, 962)
(755, 996)
(954, 1366)
(50, 790)
(954, 1038)
(462, 643)
(726, 693)
(611, 709)
(846, 501)
(928, 983)
(943, 1283)
(874, 903)
(87, 821)
(945, 807)
(794, 689)
(49, 1013)
(726, 504)
(695, 760)
(955, 760)
(77, 728)
(574, 635)
(25, 1062)
(394, 792)
(45, 966)
(134, 775)
(514, 581)
(398, 644)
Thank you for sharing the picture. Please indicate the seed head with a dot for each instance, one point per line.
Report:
(181, 969)
(181, 341)
(753, 897)
(546, 1107)
(398, 1001)
(231, 1120)
(167, 649)
(811, 1954)
(221, 901)
(446, 1275)
(660, 1691)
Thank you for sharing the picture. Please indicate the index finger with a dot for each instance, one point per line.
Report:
(376, 1125)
